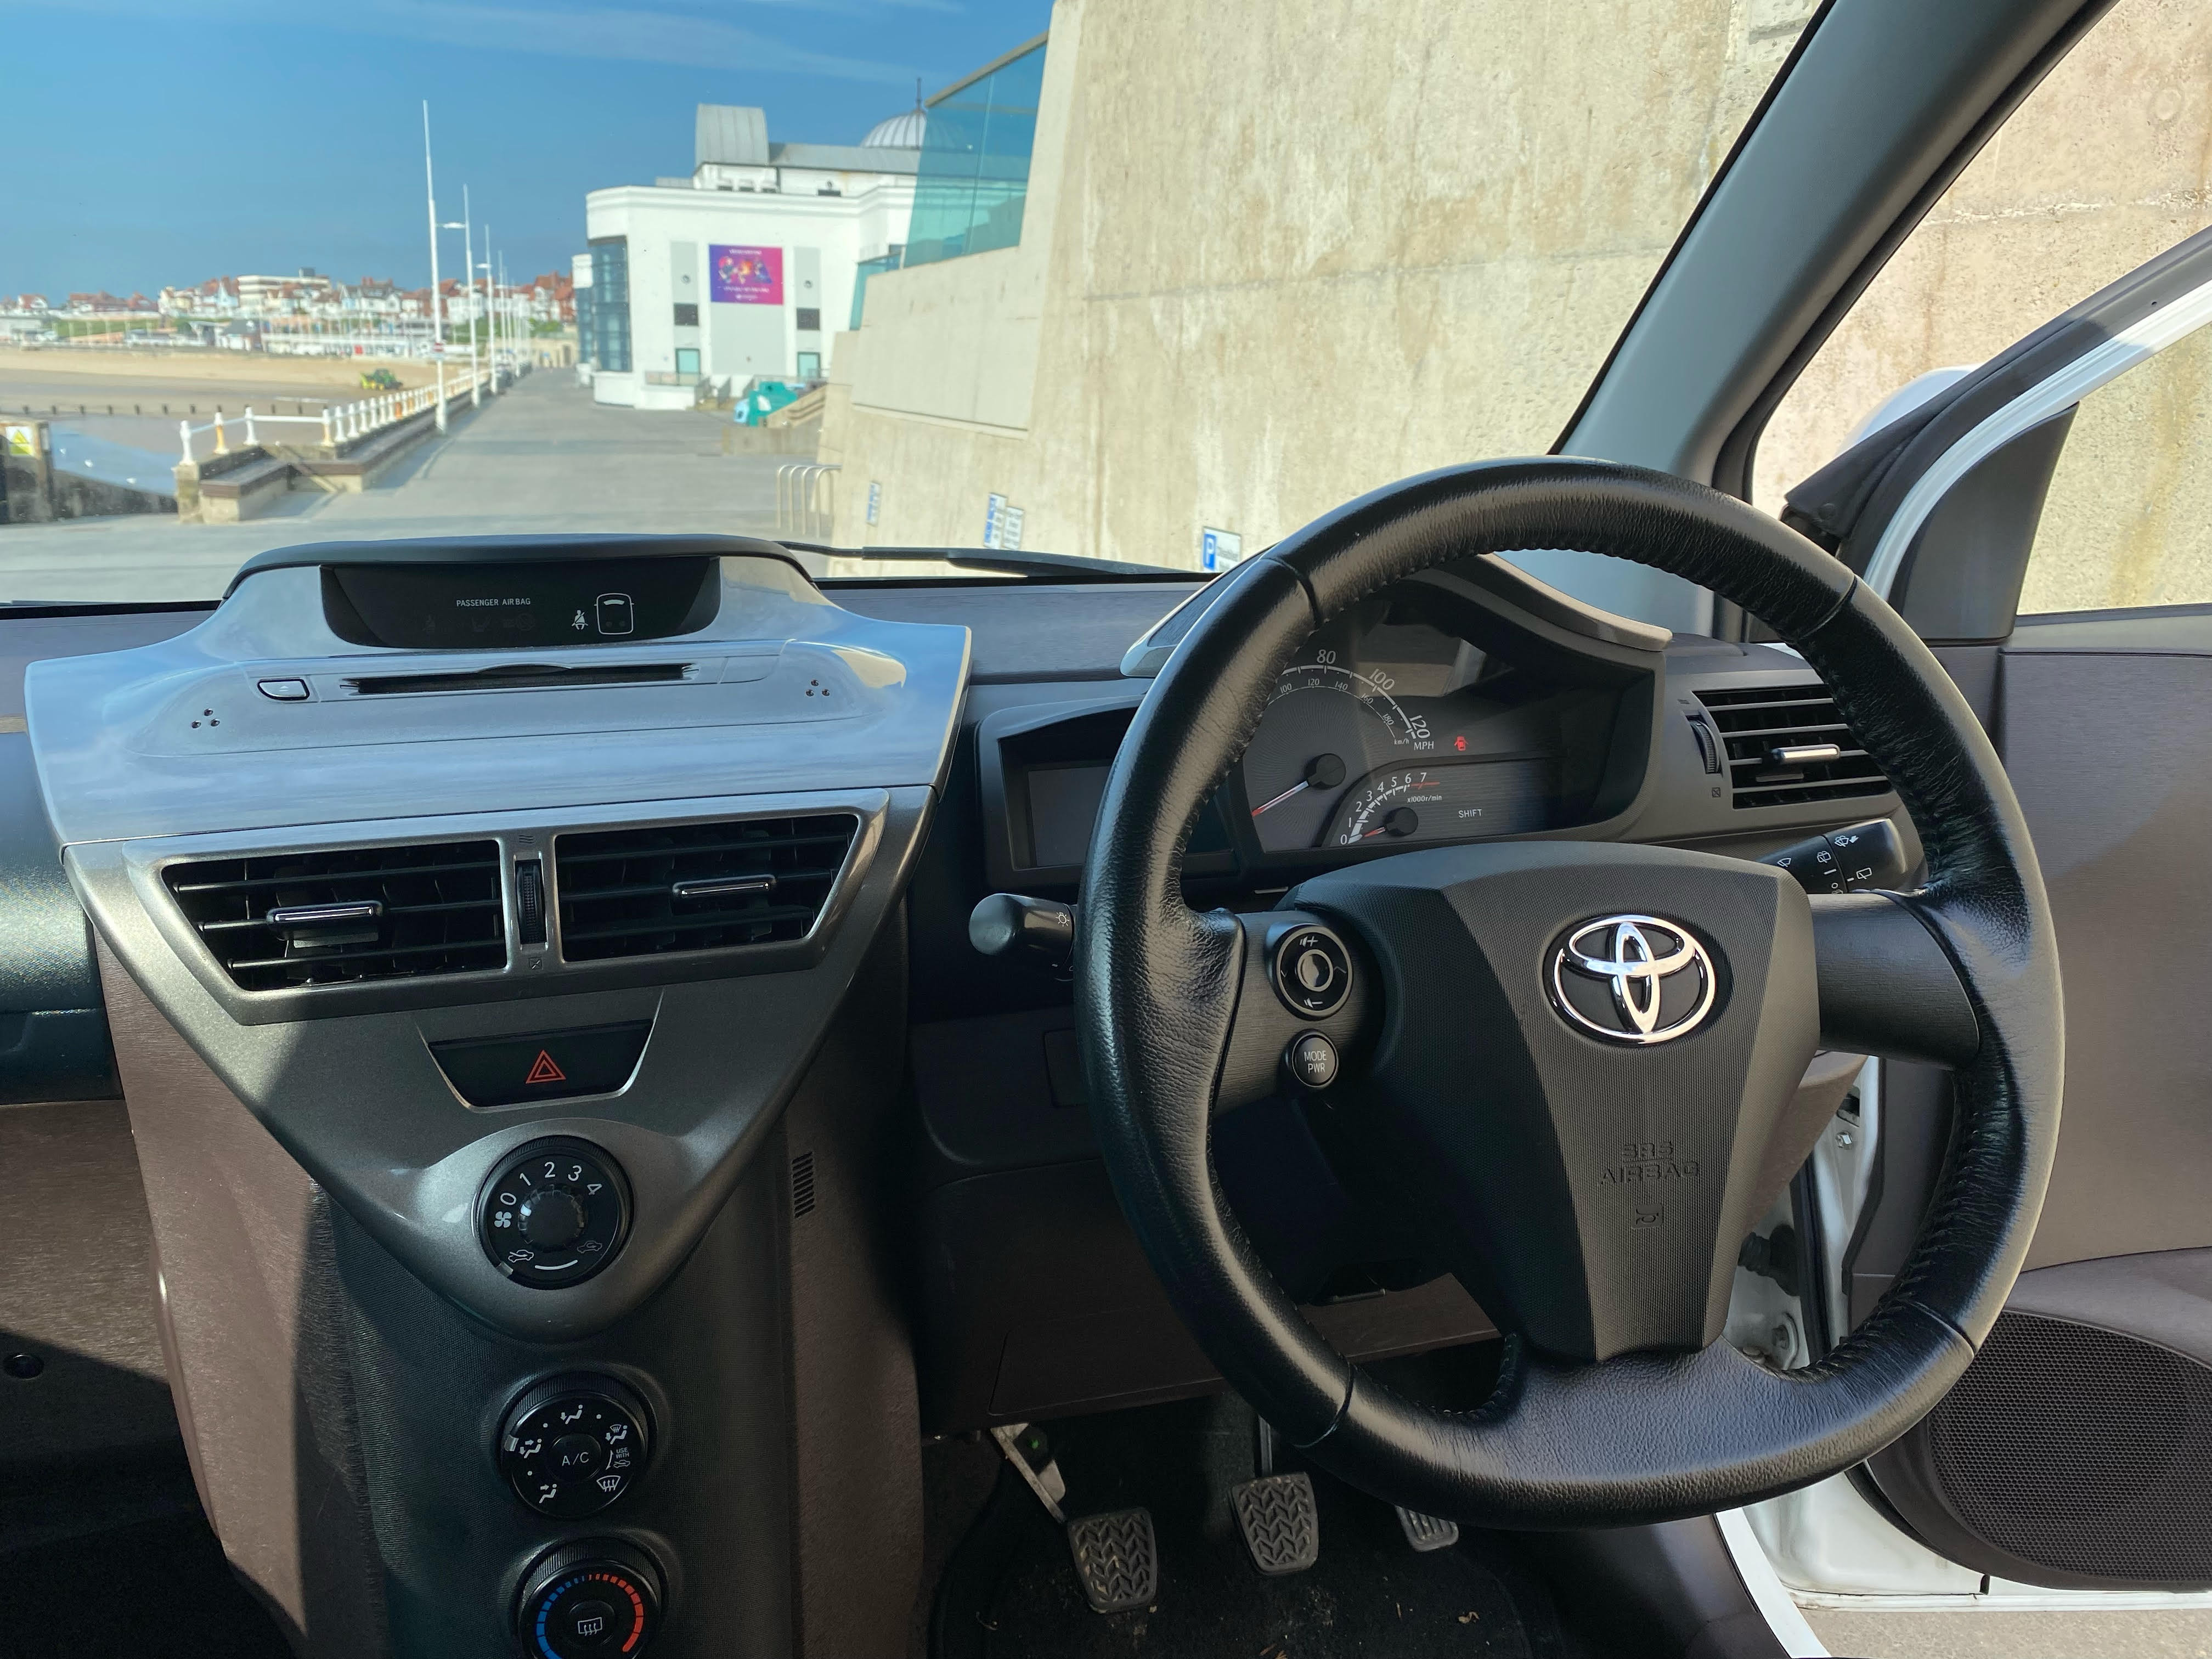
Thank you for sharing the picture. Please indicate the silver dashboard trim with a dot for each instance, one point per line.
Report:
(530, 969)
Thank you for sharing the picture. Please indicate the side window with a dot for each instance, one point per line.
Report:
(2105, 165)
(2127, 520)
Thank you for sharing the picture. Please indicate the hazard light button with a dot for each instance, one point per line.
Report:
(509, 1071)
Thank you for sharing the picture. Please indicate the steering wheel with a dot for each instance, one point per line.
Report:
(1574, 1062)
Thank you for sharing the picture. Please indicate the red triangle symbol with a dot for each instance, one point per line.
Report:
(545, 1071)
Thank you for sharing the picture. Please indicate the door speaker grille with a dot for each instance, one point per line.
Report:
(2081, 1449)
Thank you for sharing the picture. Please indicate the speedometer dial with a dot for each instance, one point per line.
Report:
(1327, 725)
(1370, 691)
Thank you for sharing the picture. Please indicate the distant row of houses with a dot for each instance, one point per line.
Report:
(309, 299)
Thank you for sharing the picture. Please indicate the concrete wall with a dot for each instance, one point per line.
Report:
(2107, 163)
(1278, 254)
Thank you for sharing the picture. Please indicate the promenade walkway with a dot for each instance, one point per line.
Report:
(541, 456)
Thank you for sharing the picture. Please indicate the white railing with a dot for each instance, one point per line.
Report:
(339, 423)
(806, 500)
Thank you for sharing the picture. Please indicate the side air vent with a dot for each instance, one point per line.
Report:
(680, 887)
(283, 921)
(1788, 746)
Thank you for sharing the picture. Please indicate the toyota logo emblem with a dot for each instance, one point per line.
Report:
(1633, 979)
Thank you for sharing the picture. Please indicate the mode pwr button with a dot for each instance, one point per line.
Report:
(508, 1071)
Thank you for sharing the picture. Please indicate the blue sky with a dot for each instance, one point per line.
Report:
(151, 142)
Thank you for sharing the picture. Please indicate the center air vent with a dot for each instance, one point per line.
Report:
(284, 921)
(697, 886)
(1788, 746)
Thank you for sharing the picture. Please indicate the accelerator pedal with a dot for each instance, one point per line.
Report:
(1427, 1532)
(1117, 1560)
(1279, 1521)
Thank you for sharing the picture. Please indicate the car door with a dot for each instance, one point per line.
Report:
(2045, 522)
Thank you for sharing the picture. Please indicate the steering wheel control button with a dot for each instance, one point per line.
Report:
(591, 1601)
(1312, 971)
(554, 1213)
(508, 1071)
(1312, 1060)
(572, 1446)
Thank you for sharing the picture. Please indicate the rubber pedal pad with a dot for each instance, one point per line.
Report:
(1427, 1532)
(1117, 1559)
(1280, 1521)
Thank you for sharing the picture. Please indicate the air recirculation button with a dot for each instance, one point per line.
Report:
(554, 1213)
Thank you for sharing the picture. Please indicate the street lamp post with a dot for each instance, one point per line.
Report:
(437, 306)
(490, 357)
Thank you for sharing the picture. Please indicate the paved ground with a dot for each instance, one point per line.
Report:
(1986, 1634)
(542, 457)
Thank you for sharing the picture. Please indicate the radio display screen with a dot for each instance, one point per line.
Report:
(508, 606)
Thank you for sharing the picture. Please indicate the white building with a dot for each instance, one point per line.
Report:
(746, 269)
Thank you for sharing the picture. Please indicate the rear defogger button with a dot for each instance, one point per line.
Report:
(1312, 971)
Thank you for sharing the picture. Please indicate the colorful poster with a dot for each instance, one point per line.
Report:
(745, 275)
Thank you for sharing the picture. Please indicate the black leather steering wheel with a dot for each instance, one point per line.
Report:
(1510, 1133)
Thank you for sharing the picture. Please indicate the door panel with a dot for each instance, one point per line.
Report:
(2073, 468)
(2111, 753)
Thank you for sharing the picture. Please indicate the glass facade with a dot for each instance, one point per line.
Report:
(868, 268)
(606, 339)
(974, 176)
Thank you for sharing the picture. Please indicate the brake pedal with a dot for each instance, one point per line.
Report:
(1117, 1559)
(1427, 1532)
(1279, 1521)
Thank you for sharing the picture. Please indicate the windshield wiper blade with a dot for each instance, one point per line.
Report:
(1067, 565)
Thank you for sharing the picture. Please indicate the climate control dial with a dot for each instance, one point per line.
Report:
(572, 1446)
(594, 1599)
(554, 1213)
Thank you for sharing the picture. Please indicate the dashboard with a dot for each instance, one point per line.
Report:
(549, 943)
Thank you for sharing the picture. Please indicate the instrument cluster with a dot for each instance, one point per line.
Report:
(1393, 728)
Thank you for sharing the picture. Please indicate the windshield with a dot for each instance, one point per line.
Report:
(1151, 284)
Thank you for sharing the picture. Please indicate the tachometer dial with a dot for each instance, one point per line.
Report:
(1445, 803)
(1387, 808)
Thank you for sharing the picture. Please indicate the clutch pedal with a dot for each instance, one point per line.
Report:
(1279, 1521)
(1427, 1532)
(1117, 1559)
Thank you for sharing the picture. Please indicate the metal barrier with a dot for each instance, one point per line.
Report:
(806, 500)
(338, 424)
